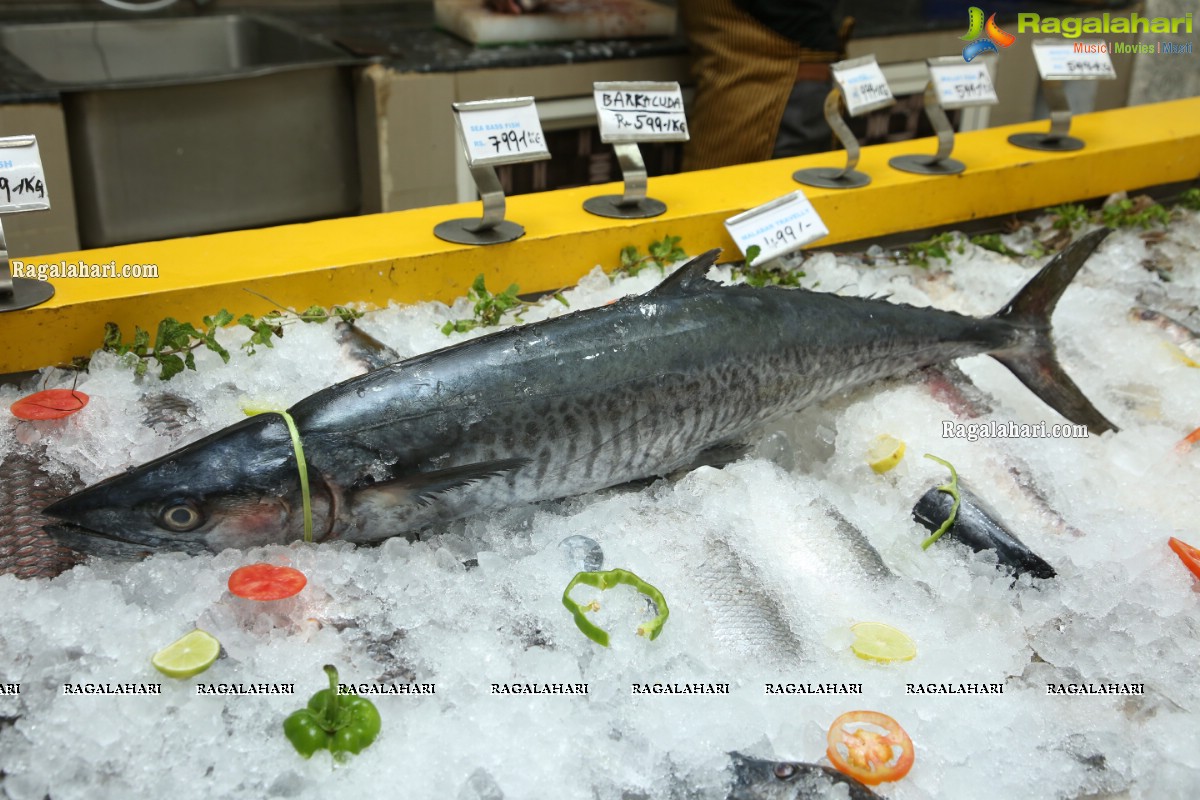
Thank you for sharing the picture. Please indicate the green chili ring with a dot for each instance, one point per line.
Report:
(607, 580)
(950, 489)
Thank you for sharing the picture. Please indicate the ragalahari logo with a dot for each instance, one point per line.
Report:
(992, 35)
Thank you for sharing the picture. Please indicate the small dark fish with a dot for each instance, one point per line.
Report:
(757, 779)
(167, 412)
(979, 527)
(363, 347)
(25, 488)
(950, 385)
(1186, 339)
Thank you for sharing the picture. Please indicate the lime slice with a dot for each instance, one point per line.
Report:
(885, 452)
(188, 656)
(874, 641)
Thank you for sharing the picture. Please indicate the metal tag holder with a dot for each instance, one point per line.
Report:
(18, 293)
(940, 163)
(847, 177)
(492, 227)
(633, 203)
(1057, 139)
(1054, 90)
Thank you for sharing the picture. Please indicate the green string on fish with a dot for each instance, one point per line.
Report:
(952, 490)
(301, 463)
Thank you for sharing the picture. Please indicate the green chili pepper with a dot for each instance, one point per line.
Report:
(340, 724)
(950, 489)
(607, 580)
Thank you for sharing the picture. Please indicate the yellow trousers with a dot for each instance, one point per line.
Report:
(743, 73)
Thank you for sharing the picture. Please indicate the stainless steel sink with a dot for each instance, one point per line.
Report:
(162, 50)
(195, 125)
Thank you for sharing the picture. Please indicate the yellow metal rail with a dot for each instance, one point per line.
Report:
(395, 257)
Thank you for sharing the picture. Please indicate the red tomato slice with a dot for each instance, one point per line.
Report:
(266, 582)
(49, 404)
(1190, 556)
(870, 747)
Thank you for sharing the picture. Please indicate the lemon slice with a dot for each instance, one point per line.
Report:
(874, 641)
(885, 452)
(187, 656)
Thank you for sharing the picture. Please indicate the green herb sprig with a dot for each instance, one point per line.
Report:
(661, 253)
(939, 246)
(490, 308)
(764, 275)
(175, 342)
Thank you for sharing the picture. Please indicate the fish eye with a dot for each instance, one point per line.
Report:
(785, 771)
(180, 517)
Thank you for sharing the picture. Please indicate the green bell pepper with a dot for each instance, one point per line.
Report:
(340, 724)
(607, 580)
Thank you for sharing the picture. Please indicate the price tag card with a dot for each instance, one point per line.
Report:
(863, 85)
(1080, 59)
(785, 224)
(640, 111)
(961, 85)
(22, 182)
(501, 131)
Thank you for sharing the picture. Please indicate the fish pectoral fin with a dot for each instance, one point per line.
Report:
(689, 276)
(422, 487)
(719, 455)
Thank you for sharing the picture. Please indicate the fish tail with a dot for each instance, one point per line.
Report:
(1033, 360)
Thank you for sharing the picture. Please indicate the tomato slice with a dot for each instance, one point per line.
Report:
(266, 582)
(49, 404)
(870, 747)
(1190, 556)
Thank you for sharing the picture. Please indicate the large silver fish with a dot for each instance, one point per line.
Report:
(643, 387)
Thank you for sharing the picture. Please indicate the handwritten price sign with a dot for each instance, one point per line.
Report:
(863, 85)
(960, 85)
(1079, 59)
(22, 181)
(640, 111)
(501, 131)
(778, 227)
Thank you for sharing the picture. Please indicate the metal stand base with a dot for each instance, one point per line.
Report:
(927, 165)
(26, 293)
(465, 231)
(614, 205)
(1045, 141)
(832, 178)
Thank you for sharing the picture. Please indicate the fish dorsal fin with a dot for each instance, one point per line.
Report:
(689, 276)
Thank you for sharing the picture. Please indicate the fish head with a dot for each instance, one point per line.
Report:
(761, 779)
(238, 487)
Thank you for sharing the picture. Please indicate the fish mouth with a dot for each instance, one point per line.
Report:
(96, 543)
